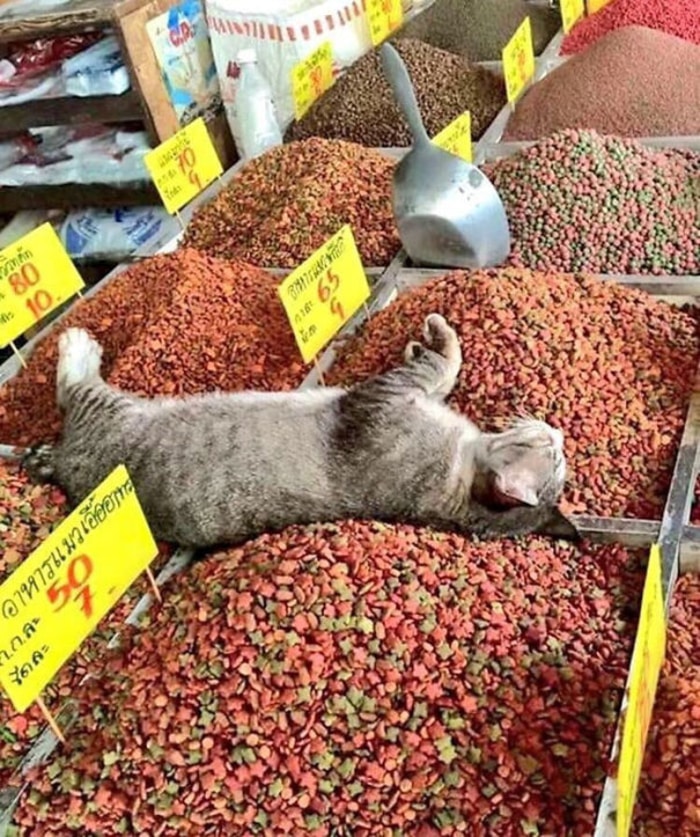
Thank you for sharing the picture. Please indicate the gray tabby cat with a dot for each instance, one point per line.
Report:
(220, 468)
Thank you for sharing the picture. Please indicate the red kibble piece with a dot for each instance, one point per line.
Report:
(614, 373)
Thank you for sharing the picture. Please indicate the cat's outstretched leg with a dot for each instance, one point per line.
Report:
(79, 358)
(434, 369)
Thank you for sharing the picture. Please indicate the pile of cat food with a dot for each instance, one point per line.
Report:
(581, 201)
(634, 82)
(28, 514)
(610, 366)
(287, 203)
(676, 17)
(361, 677)
(668, 801)
(360, 107)
(181, 323)
(479, 29)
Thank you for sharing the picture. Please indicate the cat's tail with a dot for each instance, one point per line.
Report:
(79, 358)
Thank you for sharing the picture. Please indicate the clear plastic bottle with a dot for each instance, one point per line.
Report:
(252, 114)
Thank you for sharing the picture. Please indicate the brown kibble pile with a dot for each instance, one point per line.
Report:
(479, 29)
(634, 81)
(361, 108)
(361, 679)
(285, 204)
(669, 791)
(180, 323)
(610, 366)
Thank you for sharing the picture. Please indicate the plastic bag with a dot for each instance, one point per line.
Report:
(281, 37)
(112, 233)
(97, 71)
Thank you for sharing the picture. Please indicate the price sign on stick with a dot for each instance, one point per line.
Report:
(184, 165)
(596, 5)
(647, 659)
(519, 61)
(56, 597)
(571, 12)
(323, 293)
(36, 276)
(457, 137)
(384, 17)
(311, 77)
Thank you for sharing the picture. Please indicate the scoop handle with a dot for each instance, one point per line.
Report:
(400, 81)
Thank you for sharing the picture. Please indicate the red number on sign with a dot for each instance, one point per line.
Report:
(25, 277)
(327, 288)
(39, 303)
(187, 162)
(82, 564)
(316, 80)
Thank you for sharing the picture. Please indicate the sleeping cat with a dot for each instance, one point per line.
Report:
(220, 468)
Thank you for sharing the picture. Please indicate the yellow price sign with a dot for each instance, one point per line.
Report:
(311, 77)
(647, 659)
(457, 137)
(384, 17)
(36, 276)
(184, 165)
(596, 5)
(519, 60)
(323, 293)
(571, 12)
(56, 597)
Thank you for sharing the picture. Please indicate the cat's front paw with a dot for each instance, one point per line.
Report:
(38, 463)
(439, 335)
(413, 351)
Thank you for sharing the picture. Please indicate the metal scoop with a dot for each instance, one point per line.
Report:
(447, 212)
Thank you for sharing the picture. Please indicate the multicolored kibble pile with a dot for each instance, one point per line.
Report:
(612, 367)
(676, 17)
(360, 106)
(181, 323)
(669, 791)
(369, 678)
(285, 204)
(633, 82)
(578, 201)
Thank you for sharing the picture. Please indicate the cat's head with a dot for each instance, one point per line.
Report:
(522, 466)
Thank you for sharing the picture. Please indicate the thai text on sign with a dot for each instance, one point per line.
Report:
(311, 77)
(519, 60)
(323, 293)
(457, 137)
(56, 597)
(647, 659)
(184, 165)
(384, 16)
(36, 276)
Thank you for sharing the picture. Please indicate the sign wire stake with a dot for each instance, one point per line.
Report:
(50, 720)
(152, 582)
(318, 372)
(180, 221)
(18, 354)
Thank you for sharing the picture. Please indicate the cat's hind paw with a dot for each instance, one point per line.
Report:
(38, 463)
(79, 358)
(439, 335)
(413, 351)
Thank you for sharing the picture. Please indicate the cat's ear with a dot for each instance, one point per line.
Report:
(558, 525)
(515, 482)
